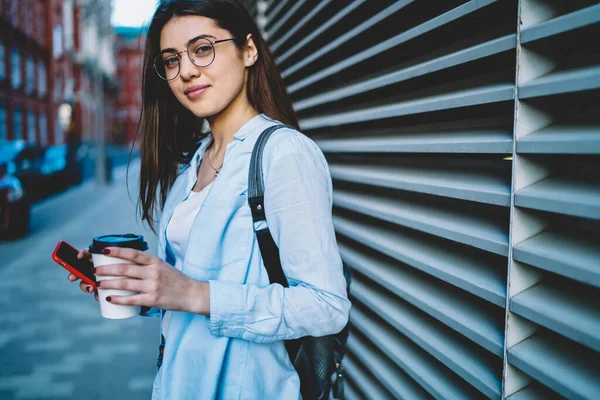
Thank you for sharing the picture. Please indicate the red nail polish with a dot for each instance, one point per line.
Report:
(108, 299)
(106, 251)
(93, 270)
(97, 284)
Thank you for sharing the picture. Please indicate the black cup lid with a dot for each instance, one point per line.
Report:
(128, 240)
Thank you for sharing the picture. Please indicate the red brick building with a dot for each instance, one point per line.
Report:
(130, 58)
(43, 64)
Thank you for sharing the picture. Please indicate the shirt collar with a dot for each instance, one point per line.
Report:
(249, 127)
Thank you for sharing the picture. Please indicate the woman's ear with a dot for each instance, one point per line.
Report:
(250, 52)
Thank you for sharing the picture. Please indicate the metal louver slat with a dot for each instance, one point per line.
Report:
(315, 34)
(565, 23)
(558, 366)
(562, 311)
(562, 139)
(474, 187)
(346, 36)
(585, 78)
(455, 310)
(422, 368)
(460, 57)
(314, 11)
(390, 43)
(572, 257)
(474, 141)
(400, 385)
(365, 381)
(461, 227)
(566, 196)
(450, 266)
(481, 95)
(286, 17)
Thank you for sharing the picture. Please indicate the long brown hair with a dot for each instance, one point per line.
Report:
(169, 131)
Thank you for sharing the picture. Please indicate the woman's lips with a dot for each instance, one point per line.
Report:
(196, 92)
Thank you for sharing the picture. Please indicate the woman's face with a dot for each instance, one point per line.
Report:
(207, 91)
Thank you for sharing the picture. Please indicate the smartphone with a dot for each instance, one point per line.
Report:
(65, 255)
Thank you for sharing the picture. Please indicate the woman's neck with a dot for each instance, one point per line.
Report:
(225, 124)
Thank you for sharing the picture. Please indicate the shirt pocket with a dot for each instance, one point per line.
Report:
(220, 236)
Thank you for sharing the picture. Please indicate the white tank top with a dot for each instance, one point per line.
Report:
(178, 233)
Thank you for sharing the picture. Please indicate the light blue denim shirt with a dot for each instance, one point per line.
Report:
(238, 352)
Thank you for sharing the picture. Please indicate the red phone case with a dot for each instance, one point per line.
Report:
(70, 268)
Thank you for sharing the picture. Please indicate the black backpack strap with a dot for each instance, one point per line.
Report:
(256, 200)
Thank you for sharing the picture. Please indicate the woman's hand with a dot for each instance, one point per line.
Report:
(158, 283)
(82, 285)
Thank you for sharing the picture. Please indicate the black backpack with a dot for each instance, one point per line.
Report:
(315, 358)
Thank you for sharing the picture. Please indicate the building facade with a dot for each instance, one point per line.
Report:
(130, 58)
(44, 64)
(463, 140)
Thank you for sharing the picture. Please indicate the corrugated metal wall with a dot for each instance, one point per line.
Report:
(463, 140)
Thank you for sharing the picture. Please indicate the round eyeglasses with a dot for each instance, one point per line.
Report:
(200, 51)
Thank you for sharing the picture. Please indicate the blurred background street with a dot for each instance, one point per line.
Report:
(53, 341)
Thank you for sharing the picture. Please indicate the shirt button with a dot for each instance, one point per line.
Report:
(225, 331)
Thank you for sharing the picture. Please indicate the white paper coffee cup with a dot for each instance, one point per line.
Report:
(107, 309)
(129, 240)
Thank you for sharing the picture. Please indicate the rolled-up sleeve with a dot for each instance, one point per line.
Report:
(298, 205)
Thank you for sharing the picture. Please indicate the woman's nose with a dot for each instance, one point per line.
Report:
(188, 69)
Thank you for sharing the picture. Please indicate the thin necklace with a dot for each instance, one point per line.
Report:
(217, 170)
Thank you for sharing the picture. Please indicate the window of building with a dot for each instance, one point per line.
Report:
(42, 87)
(43, 129)
(31, 127)
(16, 68)
(29, 75)
(18, 124)
(57, 38)
(3, 123)
(2, 62)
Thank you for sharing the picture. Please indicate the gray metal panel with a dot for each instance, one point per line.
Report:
(566, 255)
(390, 375)
(281, 21)
(352, 33)
(562, 139)
(291, 31)
(365, 382)
(566, 196)
(553, 364)
(463, 98)
(372, 51)
(576, 80)
(562, 311)
(479, 187)
(459, 312)
(473, 230)
(476, 141)
(315, 34)
(469, 274)
(421, 367)
(460, 57)
(564, 23)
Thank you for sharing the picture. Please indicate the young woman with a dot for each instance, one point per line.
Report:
(224, 323)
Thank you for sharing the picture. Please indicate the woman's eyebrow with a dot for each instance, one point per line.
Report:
(202, 36)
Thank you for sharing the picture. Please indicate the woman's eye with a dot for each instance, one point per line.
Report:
(170, 62)
(203, 50)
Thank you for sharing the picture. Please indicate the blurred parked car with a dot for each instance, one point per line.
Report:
(24, 161)
(14, 206)
(54, 169)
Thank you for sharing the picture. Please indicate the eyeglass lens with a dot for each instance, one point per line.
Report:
(201, 53)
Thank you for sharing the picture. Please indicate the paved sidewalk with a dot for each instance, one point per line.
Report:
(53, 342)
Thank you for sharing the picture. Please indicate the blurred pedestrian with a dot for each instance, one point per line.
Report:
(224, 325)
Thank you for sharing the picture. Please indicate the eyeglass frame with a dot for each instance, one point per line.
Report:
(187, 45)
